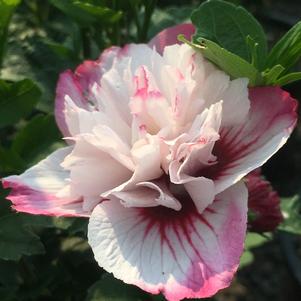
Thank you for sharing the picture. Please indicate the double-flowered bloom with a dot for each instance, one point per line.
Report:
(159, 143)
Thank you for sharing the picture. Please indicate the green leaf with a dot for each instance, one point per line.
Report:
(289, 78)
(7, 8)
(63, 223)
(270, 76)
(291, 210)
(31, 57)
(8, 273)
(75, 244)
(17, 100)
(62, 51)
(246, 259)
(111, 289)
(71, 10)
(16, 239)
(228, 26)
(85, 13)
(79, 225)
(253, 240)
(17, 233)
(38, 221)
(4, 204)
(32, 143)
(254, 52)
(229, 62)
(102, 14)
(8, 293)
(10, 161)
(287, 50)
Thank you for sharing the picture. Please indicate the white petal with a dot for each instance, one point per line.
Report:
(243, 148)
(44, 188)
(93, 171)
(236, 103)
(179, 253)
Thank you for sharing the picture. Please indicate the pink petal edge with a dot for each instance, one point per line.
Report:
(169, 36)
(243, 148)
(182, 254)
(77, 84)
(37, 190)
(32, 201)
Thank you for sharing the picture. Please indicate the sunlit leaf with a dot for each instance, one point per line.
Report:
(291, 210)
(102, 14)
(246, 259)
(229, 25)
(71, 10)
(85, 13)
(253, 240)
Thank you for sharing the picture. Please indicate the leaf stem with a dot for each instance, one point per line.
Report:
(136, 19)
(86, 42)
(116, 26)
(149, 9)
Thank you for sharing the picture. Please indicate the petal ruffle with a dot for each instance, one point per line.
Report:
(198, 153)
(44, 188)
(67, 86)
(90, 72)
(182, 254)
(75, 85)
(243, 148)
(96, 165)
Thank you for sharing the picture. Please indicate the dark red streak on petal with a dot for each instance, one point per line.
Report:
(269, 107)
(179, 221)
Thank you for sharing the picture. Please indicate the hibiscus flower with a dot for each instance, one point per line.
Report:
(159, 142)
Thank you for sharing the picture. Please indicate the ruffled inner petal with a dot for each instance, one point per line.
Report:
(97, 164)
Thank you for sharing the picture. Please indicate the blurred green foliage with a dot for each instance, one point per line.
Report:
(46, 37)
(7, 8)
(45, 258)
(291, 209)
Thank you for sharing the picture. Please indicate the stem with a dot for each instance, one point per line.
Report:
(117, 33)
(136, 19)
(86, 42)
(149, 9)
(116, 26)
(43, 9)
